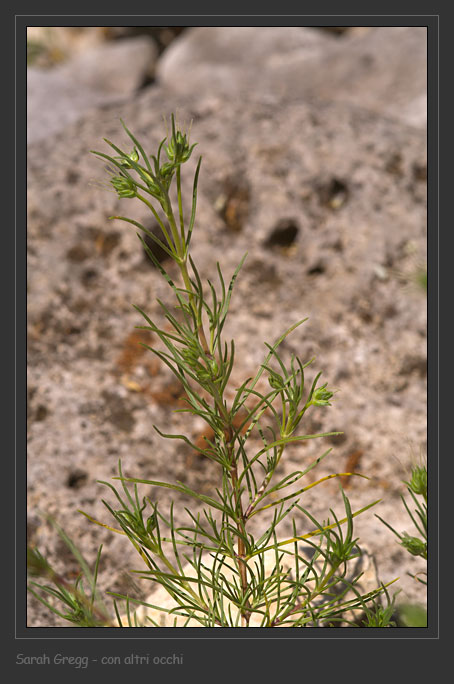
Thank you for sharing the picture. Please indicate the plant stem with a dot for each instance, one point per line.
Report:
(242, 564)
(180, 203)
(263, 486)
(189, 288)
(156, 215)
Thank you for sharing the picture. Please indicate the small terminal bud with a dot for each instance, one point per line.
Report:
(124, 187)
(322, 396)
(414, 545)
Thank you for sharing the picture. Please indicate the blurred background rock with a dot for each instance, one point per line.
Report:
(51, 45)
(48, 46)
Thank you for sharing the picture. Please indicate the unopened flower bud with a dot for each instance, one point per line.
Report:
(276, 381)
(213, 367)
(134, 156)
(124, 187)
(418, 483)
(322, 396)
(414, 545)
(178, 150)
(190, 355)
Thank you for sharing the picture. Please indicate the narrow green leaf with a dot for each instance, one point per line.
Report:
(139, 146)
(182, 489)
(194, 205)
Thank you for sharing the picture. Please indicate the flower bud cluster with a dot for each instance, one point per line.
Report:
(124, 186)
(157, 182)
(414, 545)
(178, 150)
(276, 381)
(126, 161)
(418, 482)
(321, 396)
(208, 372)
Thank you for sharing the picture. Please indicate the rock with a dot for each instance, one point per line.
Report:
(229, 60)
(109, 73)
(51, 45)
(117, 68)
(383, 69)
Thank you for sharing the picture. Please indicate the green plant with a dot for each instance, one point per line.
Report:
(81, 609)
(416, 546)
(414, 615)
(216, 570)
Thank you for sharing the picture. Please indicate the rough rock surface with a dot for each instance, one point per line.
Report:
(328, 197)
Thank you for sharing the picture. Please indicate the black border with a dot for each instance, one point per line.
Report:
(33, 640)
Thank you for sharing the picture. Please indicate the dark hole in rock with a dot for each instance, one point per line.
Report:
(335, 244)
(41, 413)
(72, 176)
(389, 311)
(316, 269)
(77, 254)
(76, 479)
(413, 363)
(283, 234)
(147, 80)
(420, 172)
(336, 30)
(158, 252)
(365, 315)
(89, 276)
(79, 306)
(394, 165)
(333, 194)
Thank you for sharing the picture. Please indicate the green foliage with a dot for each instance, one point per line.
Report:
(414, 615)
(378, 615)
(81, 609)
(411, 615)
(420, 277)
(217, 572)
(417, 546)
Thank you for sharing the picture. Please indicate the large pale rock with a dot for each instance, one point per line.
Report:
(230, 60)
(383, 69)
(102, 75)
